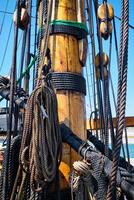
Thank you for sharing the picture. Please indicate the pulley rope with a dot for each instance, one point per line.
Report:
(103, 117)
(91, 33)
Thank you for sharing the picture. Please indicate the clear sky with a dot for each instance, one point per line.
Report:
(4, 32)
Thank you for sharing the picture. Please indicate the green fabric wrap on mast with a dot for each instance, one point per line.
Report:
(77, 29)
(70, 23)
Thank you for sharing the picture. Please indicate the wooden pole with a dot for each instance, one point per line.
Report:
(64, 51)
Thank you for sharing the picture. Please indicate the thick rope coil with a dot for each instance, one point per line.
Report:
(12, 169)
(41, 138)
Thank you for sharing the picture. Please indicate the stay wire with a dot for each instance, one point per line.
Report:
(40, 33)
(102, 69)
(22, 57)
(35, 43)
(122, 77)
(89, 95)
(12, 90)
(4, 16)
(91, 33)
(6, 47)
(117, 57)
(27, 50)
(99, 94)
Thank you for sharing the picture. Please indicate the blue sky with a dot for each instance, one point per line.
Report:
(116, 4)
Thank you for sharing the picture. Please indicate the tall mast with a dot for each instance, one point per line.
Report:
(64, 50)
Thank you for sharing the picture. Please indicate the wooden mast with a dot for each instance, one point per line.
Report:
(64, 51)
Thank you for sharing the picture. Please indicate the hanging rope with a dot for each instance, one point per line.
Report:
(121, 104)
(12, 91)
(40, 152)
(42, 20)
(27, 50)
(91, 33)
(35, 43)
(45, 39)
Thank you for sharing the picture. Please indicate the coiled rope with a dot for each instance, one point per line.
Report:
(41, 138)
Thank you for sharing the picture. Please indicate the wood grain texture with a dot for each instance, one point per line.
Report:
(65, 58)
(64, 50)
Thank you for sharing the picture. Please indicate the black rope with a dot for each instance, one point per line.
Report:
(91, 33)
(121, 104)
(12, 90)
(116, 47)
(27, 56)
(43, 20)
(22, 56)
(35, 43)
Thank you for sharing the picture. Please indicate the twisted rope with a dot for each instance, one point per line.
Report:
(42, 21)
(41, 138)
(122, 85)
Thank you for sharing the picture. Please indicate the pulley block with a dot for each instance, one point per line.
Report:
(105, 10)
(99, 73)
(23, 18)
(105, 29)
(101, 59)
(105, 14)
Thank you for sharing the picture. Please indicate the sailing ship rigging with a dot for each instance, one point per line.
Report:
(48, 152)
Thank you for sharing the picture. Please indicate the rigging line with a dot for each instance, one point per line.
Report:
(12, 89)
(121, 118)
(27, 55)
(22, 56)
(117, 55)
(41, 17)
(101, 66)
(4, 16)
(130, 26)
(6, 45)
(91, 33)
(89, 95)
(10, 13)
(35, 42)
(114, 99)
